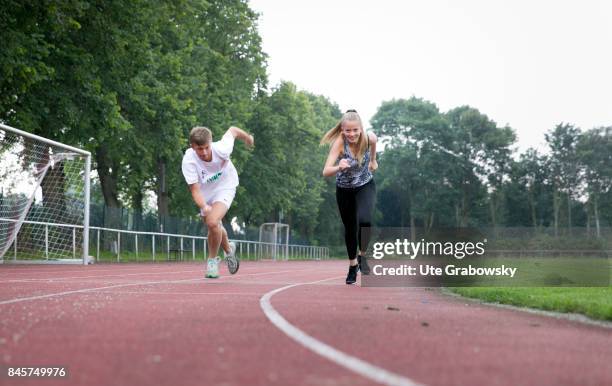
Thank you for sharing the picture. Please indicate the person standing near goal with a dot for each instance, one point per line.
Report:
(352, 158)
(212, 180)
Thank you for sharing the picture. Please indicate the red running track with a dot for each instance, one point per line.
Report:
(164, 324)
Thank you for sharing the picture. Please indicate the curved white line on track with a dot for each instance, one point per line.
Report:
(359, 366)
(84, 290)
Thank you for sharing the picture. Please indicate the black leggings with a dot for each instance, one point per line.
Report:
(356, 207)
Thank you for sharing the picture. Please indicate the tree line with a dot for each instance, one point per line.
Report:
(127, 81)
(460, 169)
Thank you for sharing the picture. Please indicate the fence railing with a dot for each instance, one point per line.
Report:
(107, 245)
(548, 253)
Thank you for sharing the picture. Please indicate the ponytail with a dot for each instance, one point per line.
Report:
(332, 134)
(336, 131)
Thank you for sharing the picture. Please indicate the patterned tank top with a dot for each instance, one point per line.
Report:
(355, 175)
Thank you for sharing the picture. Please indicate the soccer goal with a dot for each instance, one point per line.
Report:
(274, 237)
(44, 199)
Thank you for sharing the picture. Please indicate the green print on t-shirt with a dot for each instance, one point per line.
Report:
(213, 178)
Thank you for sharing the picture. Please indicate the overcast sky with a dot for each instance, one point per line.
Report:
(528, 64)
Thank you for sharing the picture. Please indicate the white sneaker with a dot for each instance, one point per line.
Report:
(232, 251)
(212, 268)
(233, 263)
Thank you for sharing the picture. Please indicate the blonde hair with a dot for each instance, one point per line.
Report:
(200, 135)
(336, 131)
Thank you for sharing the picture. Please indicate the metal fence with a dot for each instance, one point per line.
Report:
(114, 245)
(531, 253)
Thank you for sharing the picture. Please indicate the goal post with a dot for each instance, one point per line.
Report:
(274, 237)
(44, 199)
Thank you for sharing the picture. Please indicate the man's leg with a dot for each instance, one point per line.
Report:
(224, 239)
(215, 228)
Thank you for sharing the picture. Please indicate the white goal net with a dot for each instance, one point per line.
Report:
(275, 240)
(44, 199)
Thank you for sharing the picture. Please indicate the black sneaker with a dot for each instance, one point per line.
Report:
(363, 265)
(351, 277)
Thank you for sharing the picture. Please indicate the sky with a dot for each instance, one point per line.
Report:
(526, 64)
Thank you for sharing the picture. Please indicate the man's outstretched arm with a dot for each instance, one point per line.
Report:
(242, 135)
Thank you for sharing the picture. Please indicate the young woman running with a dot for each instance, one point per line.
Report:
(352, 158)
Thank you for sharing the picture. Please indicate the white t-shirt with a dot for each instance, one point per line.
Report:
(218, 174)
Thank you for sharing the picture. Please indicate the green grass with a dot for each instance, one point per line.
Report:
(595, 302)
(562, 284)
(534, 272)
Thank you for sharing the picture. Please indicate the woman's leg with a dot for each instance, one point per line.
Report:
(348, 212)
(365, 201)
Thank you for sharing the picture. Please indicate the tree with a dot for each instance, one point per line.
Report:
(325, 115)
(563, 168)
(479, 143)
(453, 154)
(594, 152)
(413, 167)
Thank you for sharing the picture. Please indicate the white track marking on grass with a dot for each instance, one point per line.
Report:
(359, 366)
(84, 290)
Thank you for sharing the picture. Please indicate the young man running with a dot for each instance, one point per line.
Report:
(212, 180)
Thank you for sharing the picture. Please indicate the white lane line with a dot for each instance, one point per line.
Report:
(359, 366)
(177, 293)
(62, 279)
(84, 290)
(57, 294)
(59, 279)
(8, 272)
